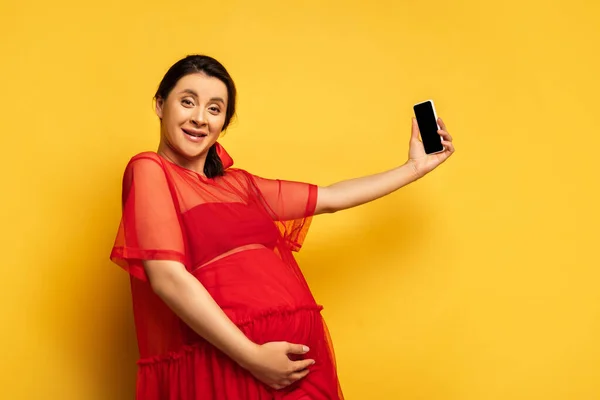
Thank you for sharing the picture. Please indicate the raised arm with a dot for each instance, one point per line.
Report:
(354, 192)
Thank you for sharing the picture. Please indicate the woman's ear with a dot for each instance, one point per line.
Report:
(159, 107)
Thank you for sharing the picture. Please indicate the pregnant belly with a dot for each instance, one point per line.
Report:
(252, 283)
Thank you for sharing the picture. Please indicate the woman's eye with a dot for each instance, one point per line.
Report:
(215, 109)
(187, 102)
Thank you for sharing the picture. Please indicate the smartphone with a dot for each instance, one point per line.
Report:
(428, 126)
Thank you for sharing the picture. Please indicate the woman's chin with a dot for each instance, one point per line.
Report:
(192, 152)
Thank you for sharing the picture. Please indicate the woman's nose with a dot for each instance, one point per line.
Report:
(199, 118)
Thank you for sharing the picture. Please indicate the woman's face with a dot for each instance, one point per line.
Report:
(192, 116)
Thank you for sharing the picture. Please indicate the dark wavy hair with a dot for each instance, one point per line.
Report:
(200, 63)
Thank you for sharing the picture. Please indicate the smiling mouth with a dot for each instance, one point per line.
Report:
(193, 134)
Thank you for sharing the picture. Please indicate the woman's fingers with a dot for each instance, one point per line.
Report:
(298, 375)
(299, 369)
(445, 135)
(301, 365)
(448, 145)
(442, 124)
(443, 131)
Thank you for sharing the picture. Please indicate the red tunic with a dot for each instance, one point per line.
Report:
(235, 234)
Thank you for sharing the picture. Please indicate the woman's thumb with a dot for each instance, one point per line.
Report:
(415, 129)
(298, 349)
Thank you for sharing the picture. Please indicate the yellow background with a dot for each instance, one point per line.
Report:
(478, 282)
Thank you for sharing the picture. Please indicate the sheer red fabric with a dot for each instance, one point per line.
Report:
(235, 234)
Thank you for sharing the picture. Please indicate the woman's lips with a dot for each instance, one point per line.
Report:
(194, 136)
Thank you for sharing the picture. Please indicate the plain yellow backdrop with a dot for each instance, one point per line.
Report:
(478, 282)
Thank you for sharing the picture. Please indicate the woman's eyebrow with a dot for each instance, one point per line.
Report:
(218, 99)
(193, 93)
(190, 91)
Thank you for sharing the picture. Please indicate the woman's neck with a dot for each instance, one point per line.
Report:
(195, 164)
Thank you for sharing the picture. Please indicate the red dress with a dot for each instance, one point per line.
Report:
(235, 234)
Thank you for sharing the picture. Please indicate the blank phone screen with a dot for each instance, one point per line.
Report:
(428, 127)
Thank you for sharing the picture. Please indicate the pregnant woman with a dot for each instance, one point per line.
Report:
(221, 309)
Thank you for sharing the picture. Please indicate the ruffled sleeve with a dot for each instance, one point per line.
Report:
(291, 204)
(150, 227)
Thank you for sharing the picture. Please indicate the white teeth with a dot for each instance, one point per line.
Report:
(195, 135)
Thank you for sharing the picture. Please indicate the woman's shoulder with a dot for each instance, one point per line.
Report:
(238, 173)
(239, 177)
(145, 158)
(147, 162)
(146, 155)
